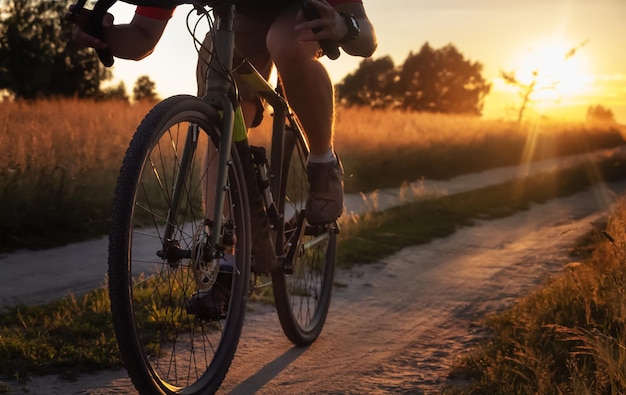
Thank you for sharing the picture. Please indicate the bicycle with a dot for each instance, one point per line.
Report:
(182, 226)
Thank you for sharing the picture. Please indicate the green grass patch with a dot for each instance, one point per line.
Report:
(379, 234)
(67, 337)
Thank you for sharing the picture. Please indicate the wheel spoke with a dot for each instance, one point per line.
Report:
(150, 294)
(302, 293)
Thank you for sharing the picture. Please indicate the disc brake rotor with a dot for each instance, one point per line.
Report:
(204, 267)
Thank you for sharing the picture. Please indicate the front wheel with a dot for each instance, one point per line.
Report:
(303, 286)
(160, 229)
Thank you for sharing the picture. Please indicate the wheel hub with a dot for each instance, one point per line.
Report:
(203, 265)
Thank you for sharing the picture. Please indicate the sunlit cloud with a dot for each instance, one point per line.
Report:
(615, 77)
(609, 88)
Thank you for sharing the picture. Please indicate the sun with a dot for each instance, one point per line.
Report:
(557, 70)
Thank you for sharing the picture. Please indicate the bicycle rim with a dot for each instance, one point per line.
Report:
(302, 293)
(165, 349)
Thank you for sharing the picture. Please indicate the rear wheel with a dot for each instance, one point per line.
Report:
(303, 288)
(156, 262)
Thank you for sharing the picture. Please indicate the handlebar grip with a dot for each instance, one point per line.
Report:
(95, 24)
(330, 48)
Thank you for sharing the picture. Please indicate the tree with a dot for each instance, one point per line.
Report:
(442, 81)
(430, 80)
(600, 114)
(38, 57)
(413, 87)
(145, 89)
(524, 90)
(372, 84)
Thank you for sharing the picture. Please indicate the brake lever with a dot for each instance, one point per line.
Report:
(94, 25)
(331, 49)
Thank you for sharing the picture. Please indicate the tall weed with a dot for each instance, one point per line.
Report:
(567, 337)
(58, 168)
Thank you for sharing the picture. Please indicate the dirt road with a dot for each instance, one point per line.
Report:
(396, 326)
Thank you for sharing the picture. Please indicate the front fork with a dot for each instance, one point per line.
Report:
(191, 143)
(219, 235)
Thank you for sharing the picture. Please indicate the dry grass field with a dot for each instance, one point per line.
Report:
(61, 157)
(58, 168)
(381, 149)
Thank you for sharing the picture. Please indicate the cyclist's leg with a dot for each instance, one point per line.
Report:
(306, 80)
(310, 93)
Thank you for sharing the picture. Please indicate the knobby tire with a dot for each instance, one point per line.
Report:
(165, 349)
(302, 297)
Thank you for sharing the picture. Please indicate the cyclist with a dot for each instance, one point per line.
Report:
(273, 32)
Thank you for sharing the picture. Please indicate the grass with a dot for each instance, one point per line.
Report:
(436, 146)
(58, 169)
(61, 158)
(75, 335)
(67, 337)
(569, 336)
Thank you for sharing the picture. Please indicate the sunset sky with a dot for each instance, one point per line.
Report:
(510, 35)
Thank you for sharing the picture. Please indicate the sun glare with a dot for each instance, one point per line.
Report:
(559, 71)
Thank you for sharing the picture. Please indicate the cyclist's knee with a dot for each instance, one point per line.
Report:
(284, 47)
(289, 51)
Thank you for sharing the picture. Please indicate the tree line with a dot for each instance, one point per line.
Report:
(432, 80)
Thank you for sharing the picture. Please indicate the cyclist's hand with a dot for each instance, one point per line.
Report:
(332, 26)
(81, 27)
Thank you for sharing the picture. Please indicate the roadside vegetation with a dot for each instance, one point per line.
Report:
(58, 173)
(567, 337)
(61, 157)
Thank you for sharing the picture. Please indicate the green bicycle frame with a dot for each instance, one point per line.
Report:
(221, 93)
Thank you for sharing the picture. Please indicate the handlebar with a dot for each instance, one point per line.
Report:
(99, 11)
(94, 26)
